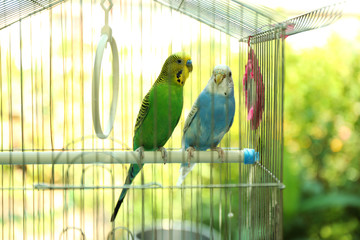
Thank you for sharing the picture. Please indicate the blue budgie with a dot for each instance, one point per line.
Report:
(210, 117)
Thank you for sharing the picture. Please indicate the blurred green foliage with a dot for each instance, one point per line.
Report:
(322, 136)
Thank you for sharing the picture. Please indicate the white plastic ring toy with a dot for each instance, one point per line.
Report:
(96, 86)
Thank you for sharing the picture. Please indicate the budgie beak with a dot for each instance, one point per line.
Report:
(219, 77)
(189, 65)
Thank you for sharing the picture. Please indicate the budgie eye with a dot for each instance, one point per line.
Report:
(179, 61)
(229, 74)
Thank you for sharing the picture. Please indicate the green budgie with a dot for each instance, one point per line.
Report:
(159, 113)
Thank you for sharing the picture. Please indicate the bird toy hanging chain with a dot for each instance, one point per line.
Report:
(106, 37)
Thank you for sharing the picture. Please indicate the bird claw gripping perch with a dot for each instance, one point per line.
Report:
(220, 152)
(141, 151)
(164, 154)
(190, 153)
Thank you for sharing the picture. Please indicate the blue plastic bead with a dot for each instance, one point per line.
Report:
(250, 156)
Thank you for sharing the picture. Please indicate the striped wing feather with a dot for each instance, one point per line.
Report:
(145, 106)
(190, 117)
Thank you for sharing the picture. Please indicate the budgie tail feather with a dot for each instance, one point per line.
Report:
(133, 171)
(184, 171)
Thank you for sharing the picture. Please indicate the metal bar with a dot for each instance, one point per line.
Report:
(25, 13)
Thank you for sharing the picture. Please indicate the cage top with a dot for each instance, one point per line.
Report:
(240, 19)
(314, 19)
(12, 11)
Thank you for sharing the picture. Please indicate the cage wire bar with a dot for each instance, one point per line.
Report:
(46, 67)
(264, 206)
(12, 11)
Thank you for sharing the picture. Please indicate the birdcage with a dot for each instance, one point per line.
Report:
(73, 75)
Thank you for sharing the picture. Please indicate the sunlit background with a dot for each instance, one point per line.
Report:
(322, 105)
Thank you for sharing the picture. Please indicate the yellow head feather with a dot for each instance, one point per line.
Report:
(177, 68)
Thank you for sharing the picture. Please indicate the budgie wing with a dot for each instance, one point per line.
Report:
(145, 106)
(230, 124)
(190, 117)
(185, 168)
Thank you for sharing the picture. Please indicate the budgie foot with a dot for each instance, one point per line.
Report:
(190, 154)
(220, 152)
(163, 154)
(141, 151)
